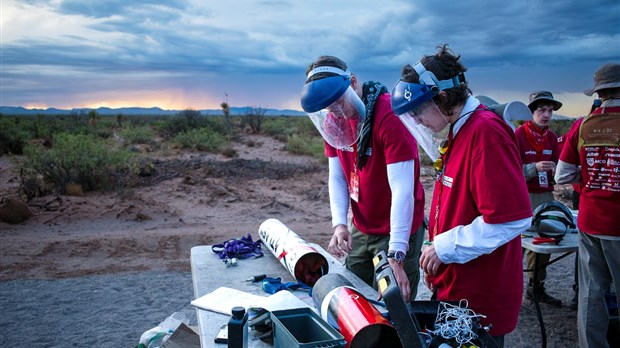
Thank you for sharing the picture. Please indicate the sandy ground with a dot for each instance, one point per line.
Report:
(194, 199)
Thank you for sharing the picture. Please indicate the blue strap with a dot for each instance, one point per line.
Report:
(240, 248)
(273, 285)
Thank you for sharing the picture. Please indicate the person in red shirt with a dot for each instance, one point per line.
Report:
(575, 202)
(539, 150)
(374, 169)
(480, 202)
(591, 158)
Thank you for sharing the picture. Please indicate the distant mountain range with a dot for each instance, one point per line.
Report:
(234, 111)
(135, 111)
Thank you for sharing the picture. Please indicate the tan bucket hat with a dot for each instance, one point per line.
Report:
(607, 76)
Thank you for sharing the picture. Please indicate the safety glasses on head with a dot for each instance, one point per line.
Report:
(334, 107)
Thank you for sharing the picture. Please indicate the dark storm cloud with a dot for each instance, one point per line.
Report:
(522, 32)
(511, 42)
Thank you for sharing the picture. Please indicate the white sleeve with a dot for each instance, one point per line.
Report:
(462, 244)
(566, 173)
(338, 193)
(401, 180)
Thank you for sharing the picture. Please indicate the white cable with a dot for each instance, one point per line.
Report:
(456, 323)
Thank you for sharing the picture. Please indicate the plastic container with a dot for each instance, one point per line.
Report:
(302, 327)
(238, 328)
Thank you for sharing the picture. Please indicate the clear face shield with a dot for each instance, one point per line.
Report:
(340, 122)
(414, 105)
(428, 126)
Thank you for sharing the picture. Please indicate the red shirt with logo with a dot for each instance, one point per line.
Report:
(391, 143)
(483, 177)
(549, 152)
(599, 202)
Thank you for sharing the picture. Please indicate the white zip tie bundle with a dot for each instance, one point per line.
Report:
(456, 322)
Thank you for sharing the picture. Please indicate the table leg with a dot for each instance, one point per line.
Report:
(536, 291)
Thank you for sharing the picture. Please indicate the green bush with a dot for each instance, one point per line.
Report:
(288, 125)
(184, 121)
(80, 159)
(138, 135)
(274, 126)
(12, 141)
(300, 144)
(202, 139)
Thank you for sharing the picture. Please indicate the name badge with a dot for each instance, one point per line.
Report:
(354, 187)
(542, 179)
(547, 152)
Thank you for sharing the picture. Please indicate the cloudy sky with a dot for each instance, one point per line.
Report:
(178, 54)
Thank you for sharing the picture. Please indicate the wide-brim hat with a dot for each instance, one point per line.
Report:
(535, 97)
(607, 76)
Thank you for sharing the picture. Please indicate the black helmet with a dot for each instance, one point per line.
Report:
(552, 219)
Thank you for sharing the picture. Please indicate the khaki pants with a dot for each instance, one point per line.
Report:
(367, 246)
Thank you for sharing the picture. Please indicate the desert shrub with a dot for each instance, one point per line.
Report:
(288, 125)
(138, 135)
(138, 120)
(45, 126)
(108, 122)
(561, 127)
(77, 158)
(216, 124)
(254, 119)
(278, 126)
(102, 133)
(188, 120)
(13, 140)
(169, 128)
(76, 122)
(300, 144)
(201, 139)
(17, 131)
(305, 126)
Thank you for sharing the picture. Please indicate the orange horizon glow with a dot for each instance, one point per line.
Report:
(35, 106)
(165, 100)
(168, 100)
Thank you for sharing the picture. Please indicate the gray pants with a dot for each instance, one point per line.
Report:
(599, 266)
(366, 246)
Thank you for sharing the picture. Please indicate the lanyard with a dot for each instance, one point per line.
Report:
(445, 151)
(445, 154)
